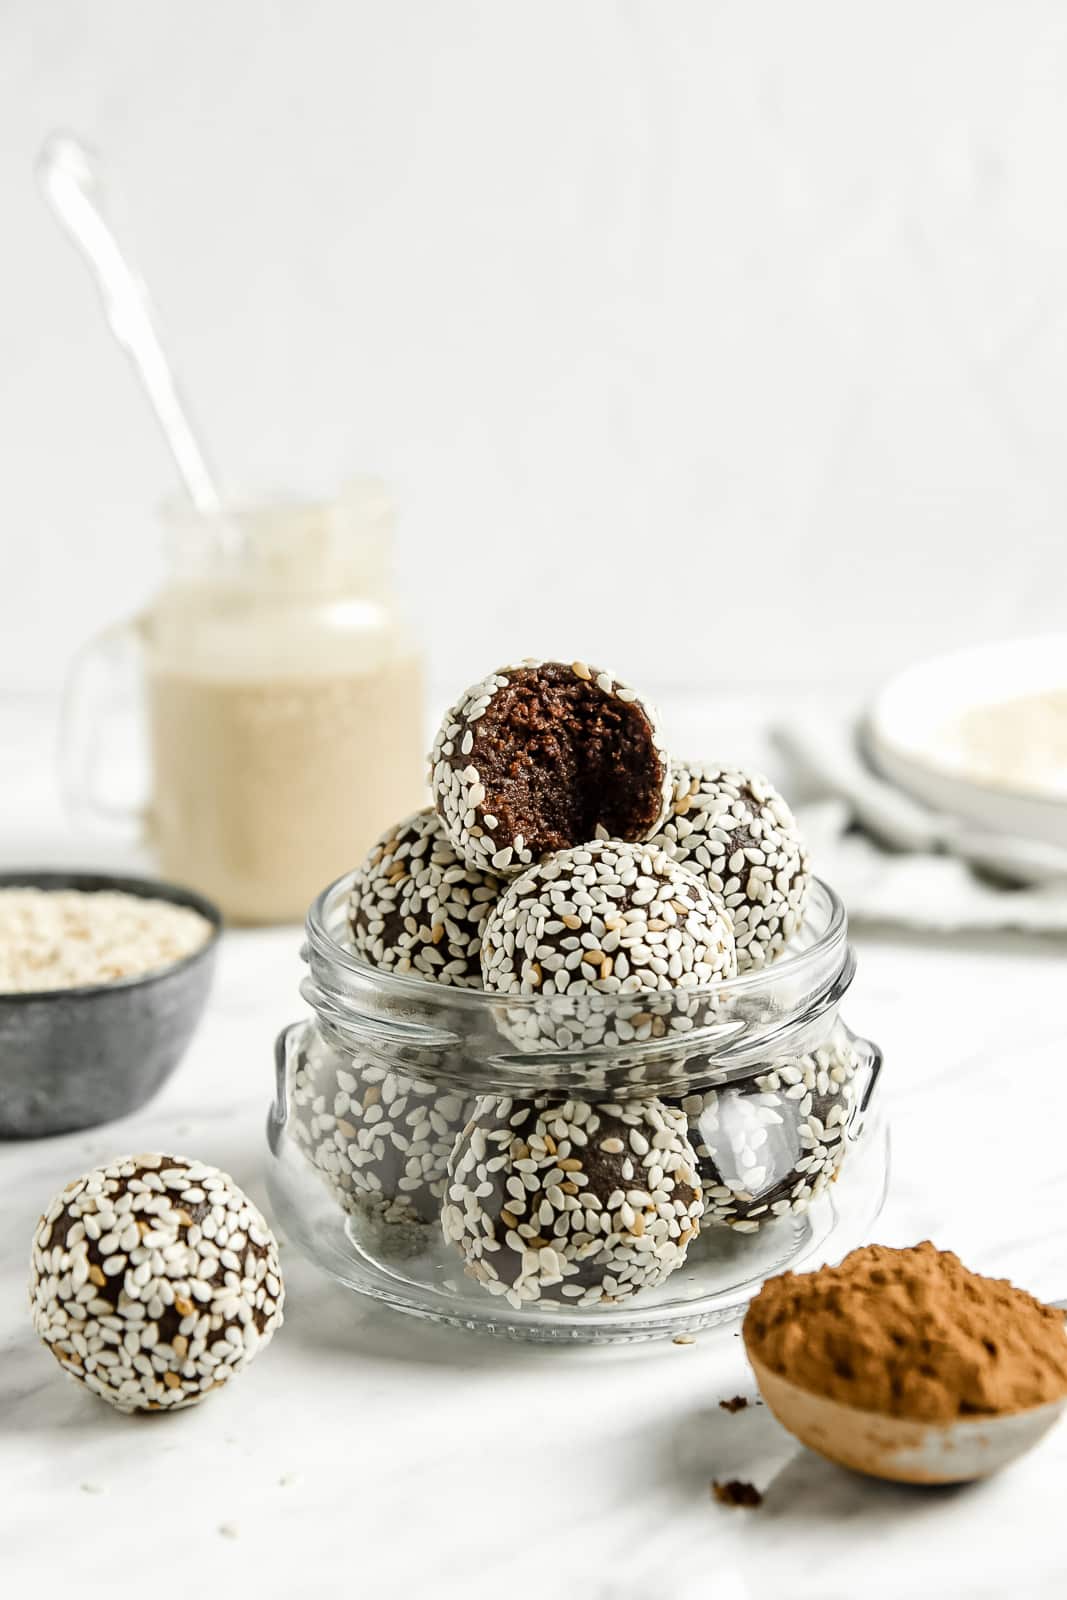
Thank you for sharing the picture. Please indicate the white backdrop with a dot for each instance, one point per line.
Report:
(727, 343)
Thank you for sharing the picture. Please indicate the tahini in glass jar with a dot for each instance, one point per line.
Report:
(284, 701)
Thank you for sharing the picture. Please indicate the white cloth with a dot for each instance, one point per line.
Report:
(892, 860)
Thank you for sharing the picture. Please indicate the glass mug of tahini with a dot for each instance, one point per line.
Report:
(280, 702)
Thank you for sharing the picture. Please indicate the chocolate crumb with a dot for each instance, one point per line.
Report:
(735, 1492)
(738, 1403)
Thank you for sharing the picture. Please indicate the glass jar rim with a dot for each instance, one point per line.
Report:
(323, 948)
(629, 1043)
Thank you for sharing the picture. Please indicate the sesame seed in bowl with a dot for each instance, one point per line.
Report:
(72, 939)
(103, 981)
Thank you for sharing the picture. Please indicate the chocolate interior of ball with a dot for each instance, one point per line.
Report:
(557, 756)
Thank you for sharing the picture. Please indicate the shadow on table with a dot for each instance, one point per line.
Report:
(47, 1405)
(797, 1485)
(324, 1318)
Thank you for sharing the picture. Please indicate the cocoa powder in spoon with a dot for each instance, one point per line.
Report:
(910, 1333)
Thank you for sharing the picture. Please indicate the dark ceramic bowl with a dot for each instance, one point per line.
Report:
(71, 1058)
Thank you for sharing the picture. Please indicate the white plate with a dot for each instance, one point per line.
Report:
(909, 736)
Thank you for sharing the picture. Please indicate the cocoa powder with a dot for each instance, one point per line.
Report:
(910, 1333)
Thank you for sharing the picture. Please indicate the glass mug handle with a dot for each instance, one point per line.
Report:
(105, 680)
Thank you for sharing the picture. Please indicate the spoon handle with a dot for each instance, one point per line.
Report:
(69, 177)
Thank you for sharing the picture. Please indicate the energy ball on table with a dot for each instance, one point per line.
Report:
(154, 1280)
(416, 908)
(577, 1203)
(380, 1137)
(542, 756)
(770, 1147)
(609, 919)
(735, 830)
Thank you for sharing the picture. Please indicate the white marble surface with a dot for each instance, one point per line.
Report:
(368, 1454)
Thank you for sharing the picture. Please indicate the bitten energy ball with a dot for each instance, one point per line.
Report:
(380, 1137)
(416, 908)
(154, 1280)
(737, 832)
(542, 756)
(605, 918)
(577, 1203)
(771, 1146)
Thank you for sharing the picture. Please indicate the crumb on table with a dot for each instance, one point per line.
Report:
(735, 1492)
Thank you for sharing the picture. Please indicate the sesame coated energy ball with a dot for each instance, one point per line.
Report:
(580, 1204)
(380, 1137)
(592, 932)
(543, 756)
(154, 1280)
(736, 831)
(603, 919)
(417, 909)
(769, 1147)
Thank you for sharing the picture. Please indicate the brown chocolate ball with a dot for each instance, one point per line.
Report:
(600, 925)
(769, 1146)
(543, 756)
(577, 1203)
(379, 1135)
(416, 909)
(737, 832)
(154, 1280)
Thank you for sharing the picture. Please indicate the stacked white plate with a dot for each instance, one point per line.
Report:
(981, 735)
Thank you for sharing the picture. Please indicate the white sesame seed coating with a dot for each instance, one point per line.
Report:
(606, 919)
(417, 909)
(769, 1147)
(577, 1203)
(458, 763)
(380, 1137)
(154, 1280)
(736, 830)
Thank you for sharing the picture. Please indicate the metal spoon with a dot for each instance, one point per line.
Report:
(897, 1448)
(70, 179)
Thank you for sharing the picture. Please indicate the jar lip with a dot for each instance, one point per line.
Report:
(831, 923)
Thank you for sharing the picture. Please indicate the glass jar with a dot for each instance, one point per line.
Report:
(424, 1154)
(283, 696)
